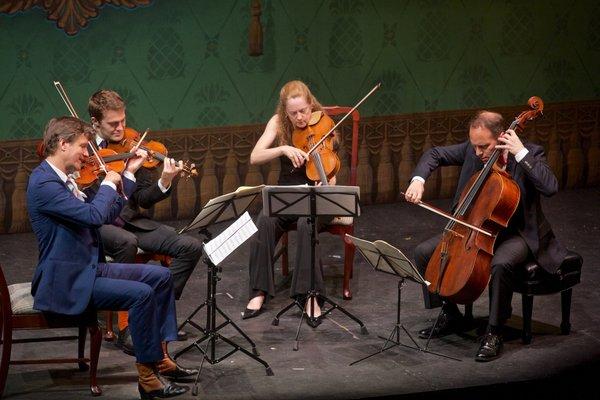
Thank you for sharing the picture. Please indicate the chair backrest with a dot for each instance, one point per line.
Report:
(338, 110)
(5, 306)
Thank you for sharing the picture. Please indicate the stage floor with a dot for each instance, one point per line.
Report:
(552, 365)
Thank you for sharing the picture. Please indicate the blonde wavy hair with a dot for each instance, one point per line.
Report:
(291, 90)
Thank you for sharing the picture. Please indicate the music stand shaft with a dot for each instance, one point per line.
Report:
(312, 295)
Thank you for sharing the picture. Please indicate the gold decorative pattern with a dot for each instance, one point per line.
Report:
(70, 15)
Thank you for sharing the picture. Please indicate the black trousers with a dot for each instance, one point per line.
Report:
(262, 249)
(510, 255)
(185, 250)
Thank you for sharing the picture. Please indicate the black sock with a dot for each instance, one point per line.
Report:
(494, 329)
(451, 309)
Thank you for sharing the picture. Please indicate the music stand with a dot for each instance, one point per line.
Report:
(218, 209)
(386, 258)
(311, 202)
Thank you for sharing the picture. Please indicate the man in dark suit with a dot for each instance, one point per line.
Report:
(133, 229)
(72, 277)
(528, 235)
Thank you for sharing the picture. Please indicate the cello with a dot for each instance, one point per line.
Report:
(459, 268)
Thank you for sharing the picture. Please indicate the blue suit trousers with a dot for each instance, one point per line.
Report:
(146, 291)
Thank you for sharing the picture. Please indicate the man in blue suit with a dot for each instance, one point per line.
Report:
(72, 277)
(528, 234)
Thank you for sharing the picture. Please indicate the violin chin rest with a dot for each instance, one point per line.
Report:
(315, 117)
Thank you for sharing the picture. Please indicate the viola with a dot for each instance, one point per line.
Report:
(156, 150)
(459, 268)
(323, 162)
(317, 141)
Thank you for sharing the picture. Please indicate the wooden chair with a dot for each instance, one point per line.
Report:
(141, 257)
(16, 306)
(341, 225)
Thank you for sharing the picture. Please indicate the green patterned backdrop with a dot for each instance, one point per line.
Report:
(184, 63)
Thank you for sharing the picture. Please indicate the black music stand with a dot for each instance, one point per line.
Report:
(386, 258)
(311, 202)
(219, 209)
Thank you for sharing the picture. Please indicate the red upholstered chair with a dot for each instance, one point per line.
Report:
(340, 225)
(16, 306)
(141, 258)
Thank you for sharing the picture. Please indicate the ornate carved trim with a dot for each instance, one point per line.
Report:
(70, 15)
(390, 146)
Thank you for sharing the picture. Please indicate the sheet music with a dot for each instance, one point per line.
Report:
(230, 239)
(386, 258)
(242, 197)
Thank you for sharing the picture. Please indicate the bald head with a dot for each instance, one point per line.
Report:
(489, 120)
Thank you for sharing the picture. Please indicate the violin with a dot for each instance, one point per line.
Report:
(91, 169)
(156, 151)
(323, 162)
(95, 162)
(459, 268)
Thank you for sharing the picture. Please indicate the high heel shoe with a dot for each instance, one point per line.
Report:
(248, 313)
(313, 322)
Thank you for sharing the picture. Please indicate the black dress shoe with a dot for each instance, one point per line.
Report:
(182, 336)
(124, 342)
(446, 325)
(490, 349)
(248, 313)
(168, 390)
(179, 373)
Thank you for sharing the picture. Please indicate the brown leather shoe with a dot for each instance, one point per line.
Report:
(168, 390)
(150, 386)
(171, 370)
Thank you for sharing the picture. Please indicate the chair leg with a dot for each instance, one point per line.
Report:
(565, 306)
(109, 336)
(95, 343)
(81, 348)
(6, 351)
(348, 266)
(527, 311)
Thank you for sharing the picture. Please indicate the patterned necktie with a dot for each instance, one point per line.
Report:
(72, 185)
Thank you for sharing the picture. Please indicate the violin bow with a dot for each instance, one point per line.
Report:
(344, 117)
(65, 98)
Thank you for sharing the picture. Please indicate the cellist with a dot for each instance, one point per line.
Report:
(528, 233)
(295, 109)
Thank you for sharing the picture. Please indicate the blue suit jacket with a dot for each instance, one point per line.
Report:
(534, 177)
(68, 239)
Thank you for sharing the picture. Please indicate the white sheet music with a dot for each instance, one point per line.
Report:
(230, 239)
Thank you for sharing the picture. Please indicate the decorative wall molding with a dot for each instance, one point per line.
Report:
(70, 15)
(389, 148)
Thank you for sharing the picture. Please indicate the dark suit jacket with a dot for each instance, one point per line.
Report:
(146, 194)
(69, 243)
(532, 174)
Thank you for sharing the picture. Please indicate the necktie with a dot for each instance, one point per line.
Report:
(73, 188)
(102, 144)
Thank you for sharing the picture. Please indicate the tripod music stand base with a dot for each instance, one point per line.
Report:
(315, 321)
(211, 332)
